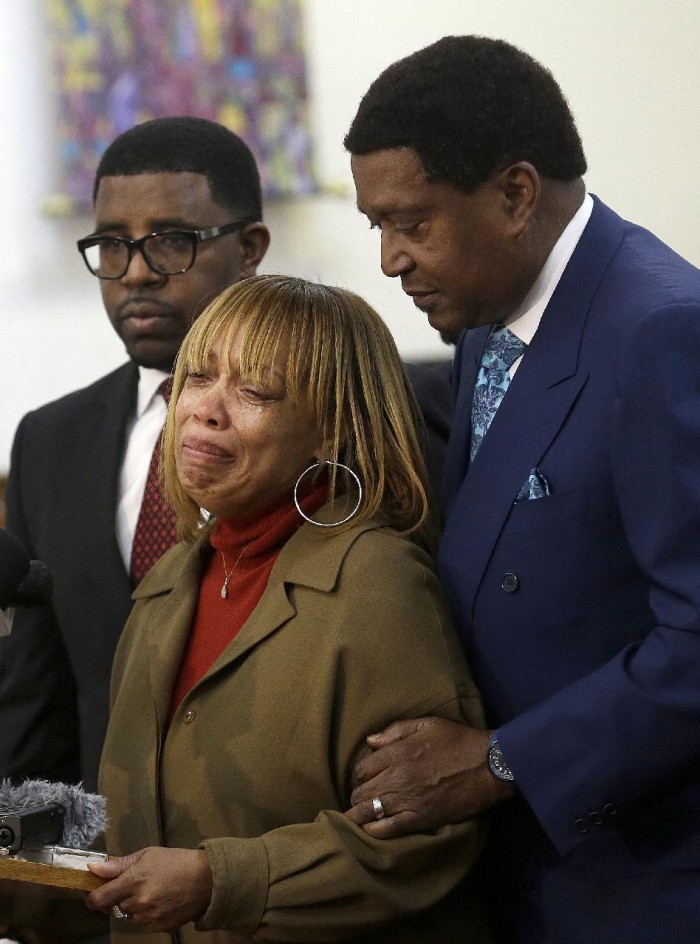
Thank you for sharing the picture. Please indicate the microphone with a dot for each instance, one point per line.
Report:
(23, 582)
(36, 814)
(36, 588)
(14, 566)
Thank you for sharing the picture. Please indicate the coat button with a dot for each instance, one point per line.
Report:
(582, 826)
(510, 583)
(596, 818)
(609, 811)
(190, 716)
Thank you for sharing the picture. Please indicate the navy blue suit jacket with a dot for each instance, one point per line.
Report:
(589, 659)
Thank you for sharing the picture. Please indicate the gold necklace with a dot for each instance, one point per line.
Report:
(229, 574)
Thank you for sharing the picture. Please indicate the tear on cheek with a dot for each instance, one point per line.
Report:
(252, 409)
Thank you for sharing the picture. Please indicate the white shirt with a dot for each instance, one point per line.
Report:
(526, 319)
(142, 432)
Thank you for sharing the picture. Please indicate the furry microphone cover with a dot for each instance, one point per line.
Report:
(85, 816)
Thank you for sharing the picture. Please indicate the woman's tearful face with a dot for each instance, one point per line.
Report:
(241, 442)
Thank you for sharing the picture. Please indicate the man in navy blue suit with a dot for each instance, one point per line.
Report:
(571, 552)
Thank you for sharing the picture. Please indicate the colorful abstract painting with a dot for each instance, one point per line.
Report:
(238, 62)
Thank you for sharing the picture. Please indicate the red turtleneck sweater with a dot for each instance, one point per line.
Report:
(250, 544)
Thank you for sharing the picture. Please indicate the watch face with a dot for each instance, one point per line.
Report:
(497, 764)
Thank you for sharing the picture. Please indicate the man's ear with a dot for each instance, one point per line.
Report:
(254, 240)
(521, 186)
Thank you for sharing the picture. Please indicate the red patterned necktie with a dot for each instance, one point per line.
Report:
(155, 529)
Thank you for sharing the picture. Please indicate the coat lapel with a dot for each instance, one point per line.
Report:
(174, 583)
(537, 403)
(310, 558)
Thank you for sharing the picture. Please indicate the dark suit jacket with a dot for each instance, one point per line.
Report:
(61, 503)
(433, 389)
(588, 658)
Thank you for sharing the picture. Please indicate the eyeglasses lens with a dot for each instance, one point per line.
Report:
(107, 258)
(165, 253)
(170, 253)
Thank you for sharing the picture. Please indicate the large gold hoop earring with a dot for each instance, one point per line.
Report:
(328, 524)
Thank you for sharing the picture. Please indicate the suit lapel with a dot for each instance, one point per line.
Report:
(536, 405)
(466, 367)
(103, 443)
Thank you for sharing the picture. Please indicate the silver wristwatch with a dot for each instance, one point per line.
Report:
(497, 764)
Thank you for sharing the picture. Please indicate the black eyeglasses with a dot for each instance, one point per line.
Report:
(170, 253)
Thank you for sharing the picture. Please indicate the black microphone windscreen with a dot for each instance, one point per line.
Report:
(36, 588)
(14, 566)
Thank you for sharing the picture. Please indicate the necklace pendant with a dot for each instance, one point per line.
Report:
(224, 588)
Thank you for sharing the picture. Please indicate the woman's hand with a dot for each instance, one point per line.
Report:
(160, 889)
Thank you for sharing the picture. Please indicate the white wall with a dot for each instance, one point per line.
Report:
(630, 69)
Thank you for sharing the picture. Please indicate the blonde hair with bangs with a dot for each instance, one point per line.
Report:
(344, 359)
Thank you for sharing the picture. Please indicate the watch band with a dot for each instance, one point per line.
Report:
(497, 763)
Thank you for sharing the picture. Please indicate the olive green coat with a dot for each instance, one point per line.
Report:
(351, 633)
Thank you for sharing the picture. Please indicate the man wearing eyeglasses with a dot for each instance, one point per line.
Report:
(178, 217)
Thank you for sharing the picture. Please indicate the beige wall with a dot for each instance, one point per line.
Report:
(630, 69)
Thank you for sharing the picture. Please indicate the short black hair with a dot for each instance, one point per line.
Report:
(188, 144)
(469, 106)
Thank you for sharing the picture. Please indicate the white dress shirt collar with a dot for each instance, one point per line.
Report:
(149, 381)
(142, 431)
(526, 320)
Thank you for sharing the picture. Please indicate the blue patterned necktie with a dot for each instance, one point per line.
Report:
(502, 350)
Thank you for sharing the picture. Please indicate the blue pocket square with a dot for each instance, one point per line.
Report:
(536, 486)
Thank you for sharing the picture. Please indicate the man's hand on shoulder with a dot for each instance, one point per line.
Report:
(427, 773)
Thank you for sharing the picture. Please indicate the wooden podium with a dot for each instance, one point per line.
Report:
(40, 902)
(18, 877)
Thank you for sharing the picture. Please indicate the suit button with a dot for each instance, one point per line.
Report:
(596, 818)
(190, 716)
(510, 583)
(609, 811)
(582, 826)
